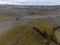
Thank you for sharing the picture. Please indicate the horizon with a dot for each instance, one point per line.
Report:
(30, 2)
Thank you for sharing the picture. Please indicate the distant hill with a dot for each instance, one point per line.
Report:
(17, 10)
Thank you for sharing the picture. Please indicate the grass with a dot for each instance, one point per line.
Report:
(21, 35)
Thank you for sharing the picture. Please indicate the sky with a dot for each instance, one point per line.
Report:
(31, 2)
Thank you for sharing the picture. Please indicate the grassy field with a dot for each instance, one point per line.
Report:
(12, 33)
(21, 35)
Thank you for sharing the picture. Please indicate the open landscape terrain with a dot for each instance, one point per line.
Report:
(23, 14)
